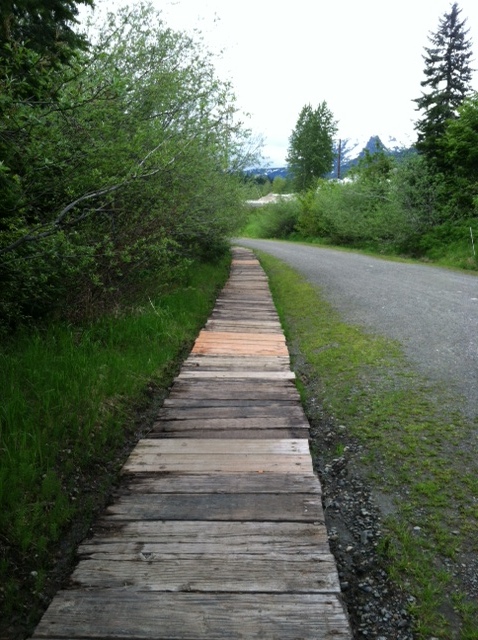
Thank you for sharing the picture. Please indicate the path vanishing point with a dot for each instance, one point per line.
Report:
(218, 529)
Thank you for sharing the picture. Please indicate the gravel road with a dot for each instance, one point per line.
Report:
(432, 312)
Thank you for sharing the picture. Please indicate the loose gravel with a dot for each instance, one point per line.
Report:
(432, 312)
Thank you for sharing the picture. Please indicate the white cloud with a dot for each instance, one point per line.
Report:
(363, 57)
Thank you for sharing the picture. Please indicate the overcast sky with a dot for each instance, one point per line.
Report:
(363, 57)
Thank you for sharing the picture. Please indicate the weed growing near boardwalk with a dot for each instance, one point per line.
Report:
(413, 446)
(67, 407)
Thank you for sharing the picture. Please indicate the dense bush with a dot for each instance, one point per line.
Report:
(274, 220)
(397, 208)
(123, 168)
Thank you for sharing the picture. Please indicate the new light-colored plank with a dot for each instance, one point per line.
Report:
(219, 336)
(241, 348)
(238, 375)
(232, 434)
(233, 363)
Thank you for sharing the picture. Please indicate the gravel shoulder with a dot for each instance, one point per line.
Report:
(432, 315)
(432, 312)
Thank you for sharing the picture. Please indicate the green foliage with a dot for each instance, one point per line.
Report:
(419, 192)
(460, 158)
(460, 142)
(273, 220)
(450, 243)
(412, 449)
(126, 168)
(43, 27)
(386, 207)
(359, 211)
(447, 82)
(311, 150)
(281, 185)
(68, 399)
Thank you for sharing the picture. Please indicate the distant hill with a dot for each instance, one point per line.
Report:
(269, 173)
(351, 152)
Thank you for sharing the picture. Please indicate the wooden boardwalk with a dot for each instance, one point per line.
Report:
(218, 531)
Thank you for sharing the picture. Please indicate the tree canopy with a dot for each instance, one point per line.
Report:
(311, 151)
(45, 27)
(124, 170)
(447, 81)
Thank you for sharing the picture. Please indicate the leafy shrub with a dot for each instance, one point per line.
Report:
(127, 168)
(451, 243)
(275, 220)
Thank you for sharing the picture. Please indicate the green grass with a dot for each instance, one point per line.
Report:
(68, 400)
(414, 446)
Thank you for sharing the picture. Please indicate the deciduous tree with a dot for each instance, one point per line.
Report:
(128, 170)
(311, 151)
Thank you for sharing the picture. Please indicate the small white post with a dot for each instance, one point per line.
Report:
(472, 241)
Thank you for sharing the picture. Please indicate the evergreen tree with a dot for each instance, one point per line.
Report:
(44, 26)
(447, 82)
(311, 151)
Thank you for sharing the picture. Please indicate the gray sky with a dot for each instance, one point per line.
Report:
(363, 57)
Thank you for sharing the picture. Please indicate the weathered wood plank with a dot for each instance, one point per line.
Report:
(261, 327)
(188, 616)
(250, 312)
(221, 463)
(183, 402)
(246, 411)
(232, 434)
(261, 507)
(240, 390)
(226, 483)
(215, 446)
(276, 422)
(238, 375)
(223, 573)
(112, 551)
(185, 536)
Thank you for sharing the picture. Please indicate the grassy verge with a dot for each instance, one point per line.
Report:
(414, 447)
(69, 397)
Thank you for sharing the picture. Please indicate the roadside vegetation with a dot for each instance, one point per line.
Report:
(122, 178)
(70, 395)
(121, 156)
(119, 159)
(423, 205)
(415, 452)
(385, 207)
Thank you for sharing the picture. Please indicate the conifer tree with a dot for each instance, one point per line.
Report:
(446, 84)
